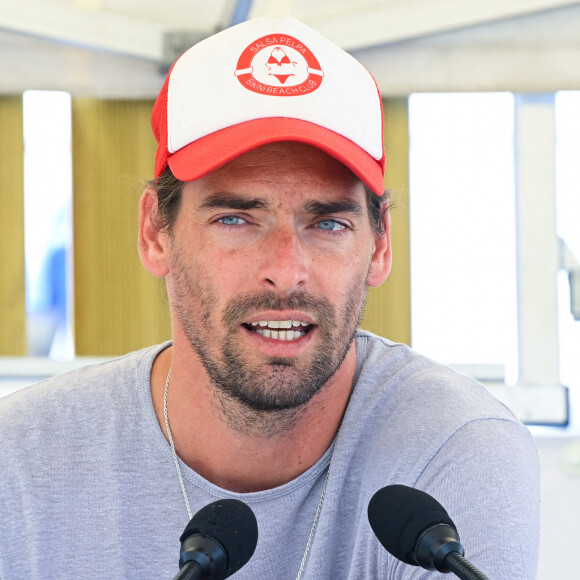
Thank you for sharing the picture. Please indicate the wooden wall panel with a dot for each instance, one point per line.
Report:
(388, 310)
(118, 305)
(12, 285)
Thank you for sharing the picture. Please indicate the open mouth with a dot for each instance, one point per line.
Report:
(280, 329)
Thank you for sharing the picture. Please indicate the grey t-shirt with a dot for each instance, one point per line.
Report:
(88, 486)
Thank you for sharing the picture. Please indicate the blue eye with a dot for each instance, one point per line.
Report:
(231, 220)
(331, 225)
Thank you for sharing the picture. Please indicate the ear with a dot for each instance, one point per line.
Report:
(382, 257)
(153, 244)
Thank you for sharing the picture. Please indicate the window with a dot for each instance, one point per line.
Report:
(48, 222)
(567, 111)
(486, 230)
(462, 229)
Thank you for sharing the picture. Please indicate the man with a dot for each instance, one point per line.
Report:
(267, 220)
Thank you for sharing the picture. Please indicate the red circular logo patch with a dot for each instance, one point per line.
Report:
(279, 66)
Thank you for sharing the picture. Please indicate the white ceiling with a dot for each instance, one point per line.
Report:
(116, 47)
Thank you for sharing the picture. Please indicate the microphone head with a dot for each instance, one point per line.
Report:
(233, 524)
(399, 516)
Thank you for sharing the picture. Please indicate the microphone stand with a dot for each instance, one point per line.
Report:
(462, 567)
(190, 571)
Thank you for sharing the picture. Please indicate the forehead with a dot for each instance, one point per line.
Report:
(284, 171)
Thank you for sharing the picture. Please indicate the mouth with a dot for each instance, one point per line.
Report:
(284, 330)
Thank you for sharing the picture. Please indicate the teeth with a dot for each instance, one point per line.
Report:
(281, 334)
(292, 329)
(280, 323)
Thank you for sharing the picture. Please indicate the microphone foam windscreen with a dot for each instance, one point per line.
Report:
(233, 524)
(399, 515)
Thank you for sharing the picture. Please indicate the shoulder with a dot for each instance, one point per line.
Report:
(397, 374)
(414, 411)
(55, 404)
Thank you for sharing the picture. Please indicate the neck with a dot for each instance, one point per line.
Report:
(240, 449)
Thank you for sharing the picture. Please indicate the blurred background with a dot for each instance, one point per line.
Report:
(482, 135)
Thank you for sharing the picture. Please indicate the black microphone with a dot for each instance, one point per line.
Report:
(415, 528)
(218, 540)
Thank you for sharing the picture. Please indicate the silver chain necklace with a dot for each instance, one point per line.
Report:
(184, 492)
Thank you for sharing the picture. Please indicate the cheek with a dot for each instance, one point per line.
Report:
(190, 279)
(223, 275)
(352, 263)
(342, 278)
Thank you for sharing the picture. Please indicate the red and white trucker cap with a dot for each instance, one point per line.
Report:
(265, 80)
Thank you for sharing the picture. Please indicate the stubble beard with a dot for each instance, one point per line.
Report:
(269, 398)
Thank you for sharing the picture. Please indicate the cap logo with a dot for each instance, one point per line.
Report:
(280, 66)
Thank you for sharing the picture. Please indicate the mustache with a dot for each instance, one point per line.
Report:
(243, 306)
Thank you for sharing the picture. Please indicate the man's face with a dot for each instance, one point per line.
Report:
(269, 262)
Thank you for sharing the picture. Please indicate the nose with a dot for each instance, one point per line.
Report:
(284, 263)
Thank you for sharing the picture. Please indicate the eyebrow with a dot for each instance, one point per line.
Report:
(229, 201)
(345, 206)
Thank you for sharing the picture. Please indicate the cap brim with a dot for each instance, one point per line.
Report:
(215, 150)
